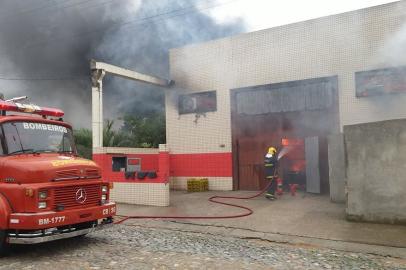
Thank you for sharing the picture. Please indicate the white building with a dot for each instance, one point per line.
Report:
(297, 82)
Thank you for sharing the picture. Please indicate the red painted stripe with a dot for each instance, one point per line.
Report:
(149, 162)
(181, 165)
(208, 165)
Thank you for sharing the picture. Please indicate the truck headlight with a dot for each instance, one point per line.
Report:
(42, 195)
(105, 189)
(42, 205)
(103, 199)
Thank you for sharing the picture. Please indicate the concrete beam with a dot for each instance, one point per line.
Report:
(129, 74)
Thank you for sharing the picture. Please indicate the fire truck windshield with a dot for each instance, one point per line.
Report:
(32, 137)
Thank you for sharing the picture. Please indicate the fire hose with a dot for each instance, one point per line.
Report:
(248, 211)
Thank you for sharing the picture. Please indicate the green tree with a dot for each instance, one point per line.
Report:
(83, 140)
(148, 131)
(112, 138)
(145, 132)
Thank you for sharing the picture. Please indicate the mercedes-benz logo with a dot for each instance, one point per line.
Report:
(81, 195)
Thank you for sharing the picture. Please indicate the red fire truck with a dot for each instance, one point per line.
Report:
(47, 192)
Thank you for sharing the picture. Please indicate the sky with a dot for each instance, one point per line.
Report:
(262, 14)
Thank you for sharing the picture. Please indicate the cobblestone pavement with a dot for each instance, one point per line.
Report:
(133, 247)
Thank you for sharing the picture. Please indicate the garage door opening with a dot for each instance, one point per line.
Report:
(292, 165)
(296, 117)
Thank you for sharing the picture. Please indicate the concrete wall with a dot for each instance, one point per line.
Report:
(376, 173)
(336, 162)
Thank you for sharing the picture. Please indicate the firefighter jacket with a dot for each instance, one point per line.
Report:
(270, 163)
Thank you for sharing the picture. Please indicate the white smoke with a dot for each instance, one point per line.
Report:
(285, 150)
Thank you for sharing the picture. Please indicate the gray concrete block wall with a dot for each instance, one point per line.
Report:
(376, 172)
(336, 163)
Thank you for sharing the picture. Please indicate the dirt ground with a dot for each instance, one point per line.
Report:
(135, 247)
(301, 219)
(301, 232)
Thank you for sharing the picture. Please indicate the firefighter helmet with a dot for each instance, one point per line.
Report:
(271, 150)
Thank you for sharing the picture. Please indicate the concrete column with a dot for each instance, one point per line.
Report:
(163, 162)
(336, 160)
(97, 108)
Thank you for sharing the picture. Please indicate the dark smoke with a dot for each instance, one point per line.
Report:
(56, 39)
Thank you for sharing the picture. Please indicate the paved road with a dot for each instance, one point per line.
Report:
(132, 247)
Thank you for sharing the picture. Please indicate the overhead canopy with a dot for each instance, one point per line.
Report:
(99, 70)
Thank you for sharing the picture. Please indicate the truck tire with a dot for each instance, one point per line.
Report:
(3, 245)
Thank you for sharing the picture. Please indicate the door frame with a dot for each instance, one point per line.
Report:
(312, 147)
(234, 115)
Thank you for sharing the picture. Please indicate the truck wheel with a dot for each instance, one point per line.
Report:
(3, 245)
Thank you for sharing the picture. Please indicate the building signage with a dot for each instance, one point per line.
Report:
(198, 102)
(380, 81)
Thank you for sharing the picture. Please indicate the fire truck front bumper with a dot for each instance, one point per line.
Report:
(34, 228)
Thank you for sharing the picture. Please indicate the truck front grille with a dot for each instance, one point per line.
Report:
(76, 174)
(92, 173)
(67, 174)
(71, 197)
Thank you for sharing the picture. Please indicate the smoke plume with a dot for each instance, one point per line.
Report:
(44, 39)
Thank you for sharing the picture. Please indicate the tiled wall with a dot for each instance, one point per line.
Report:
(125, 150)
(149, 162)
(335, 45)
(215, 183)
(216, 166)
(155, 194)
(205, 164)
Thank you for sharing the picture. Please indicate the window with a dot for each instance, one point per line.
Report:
(133, 165)
(22, 137)
(119, 164)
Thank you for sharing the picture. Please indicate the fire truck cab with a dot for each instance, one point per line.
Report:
(47, 192)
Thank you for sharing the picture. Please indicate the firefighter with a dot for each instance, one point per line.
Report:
(270, 163)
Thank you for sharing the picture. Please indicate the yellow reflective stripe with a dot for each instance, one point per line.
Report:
(268, 165)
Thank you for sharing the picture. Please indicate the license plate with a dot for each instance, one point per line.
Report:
(53, 220)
